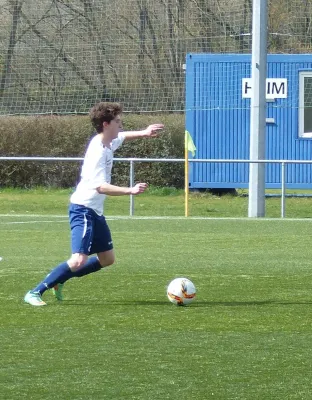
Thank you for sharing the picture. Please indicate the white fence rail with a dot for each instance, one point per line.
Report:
(132, 161)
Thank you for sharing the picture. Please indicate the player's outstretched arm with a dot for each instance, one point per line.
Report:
(151, 131)
(112, 190)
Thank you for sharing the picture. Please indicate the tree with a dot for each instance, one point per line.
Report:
(16, 6)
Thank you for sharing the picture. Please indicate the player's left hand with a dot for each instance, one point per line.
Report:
(139, 188)
(153, 130)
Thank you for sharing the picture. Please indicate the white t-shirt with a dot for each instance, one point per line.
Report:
(96, 170)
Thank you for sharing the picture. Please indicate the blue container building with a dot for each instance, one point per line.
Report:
(218, 91)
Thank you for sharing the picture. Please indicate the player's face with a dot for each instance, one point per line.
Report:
(114, 127)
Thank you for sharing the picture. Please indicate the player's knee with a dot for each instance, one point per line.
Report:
(77, 261)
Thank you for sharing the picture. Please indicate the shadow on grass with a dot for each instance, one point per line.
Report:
(112, 303)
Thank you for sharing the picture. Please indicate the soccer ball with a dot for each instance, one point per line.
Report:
(181, 291)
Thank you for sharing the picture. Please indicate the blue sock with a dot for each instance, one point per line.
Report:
(92, 265)
(59, 274)
(62, 273)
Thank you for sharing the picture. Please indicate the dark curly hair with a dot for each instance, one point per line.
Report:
(104, 112)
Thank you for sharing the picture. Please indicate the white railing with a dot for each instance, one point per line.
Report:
(134, 160)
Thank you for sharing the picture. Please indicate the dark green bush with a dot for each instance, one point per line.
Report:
(68, 136)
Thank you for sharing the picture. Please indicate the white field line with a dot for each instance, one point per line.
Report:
(32, 222)
(126, 217)
(33, 215)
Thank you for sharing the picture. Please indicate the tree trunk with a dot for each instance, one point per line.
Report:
(16, 10)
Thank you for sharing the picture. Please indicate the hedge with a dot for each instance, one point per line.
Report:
(68, 136)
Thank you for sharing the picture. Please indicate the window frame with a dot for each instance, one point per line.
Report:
(301, 133)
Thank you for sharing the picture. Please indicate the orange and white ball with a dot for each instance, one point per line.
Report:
(181, 291)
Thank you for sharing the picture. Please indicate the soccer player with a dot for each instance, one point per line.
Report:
(90, 233)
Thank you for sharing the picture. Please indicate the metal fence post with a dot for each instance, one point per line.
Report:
(283, 190)
(131, 185)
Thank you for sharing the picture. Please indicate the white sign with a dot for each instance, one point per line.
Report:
(276, 88)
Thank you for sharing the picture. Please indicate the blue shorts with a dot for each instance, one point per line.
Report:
(89, 231)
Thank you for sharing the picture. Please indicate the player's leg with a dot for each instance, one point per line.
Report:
(77, 260)
(106, 258)
(90, 234)
(93, 264)
(101, 244)
(81, 223)
(58, 276)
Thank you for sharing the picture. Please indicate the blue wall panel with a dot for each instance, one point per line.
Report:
(218, 118)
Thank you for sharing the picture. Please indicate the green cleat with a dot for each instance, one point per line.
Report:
(57, 291)
(34, 299)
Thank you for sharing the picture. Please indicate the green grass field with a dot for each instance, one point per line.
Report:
(247, 335)
(156, 202)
